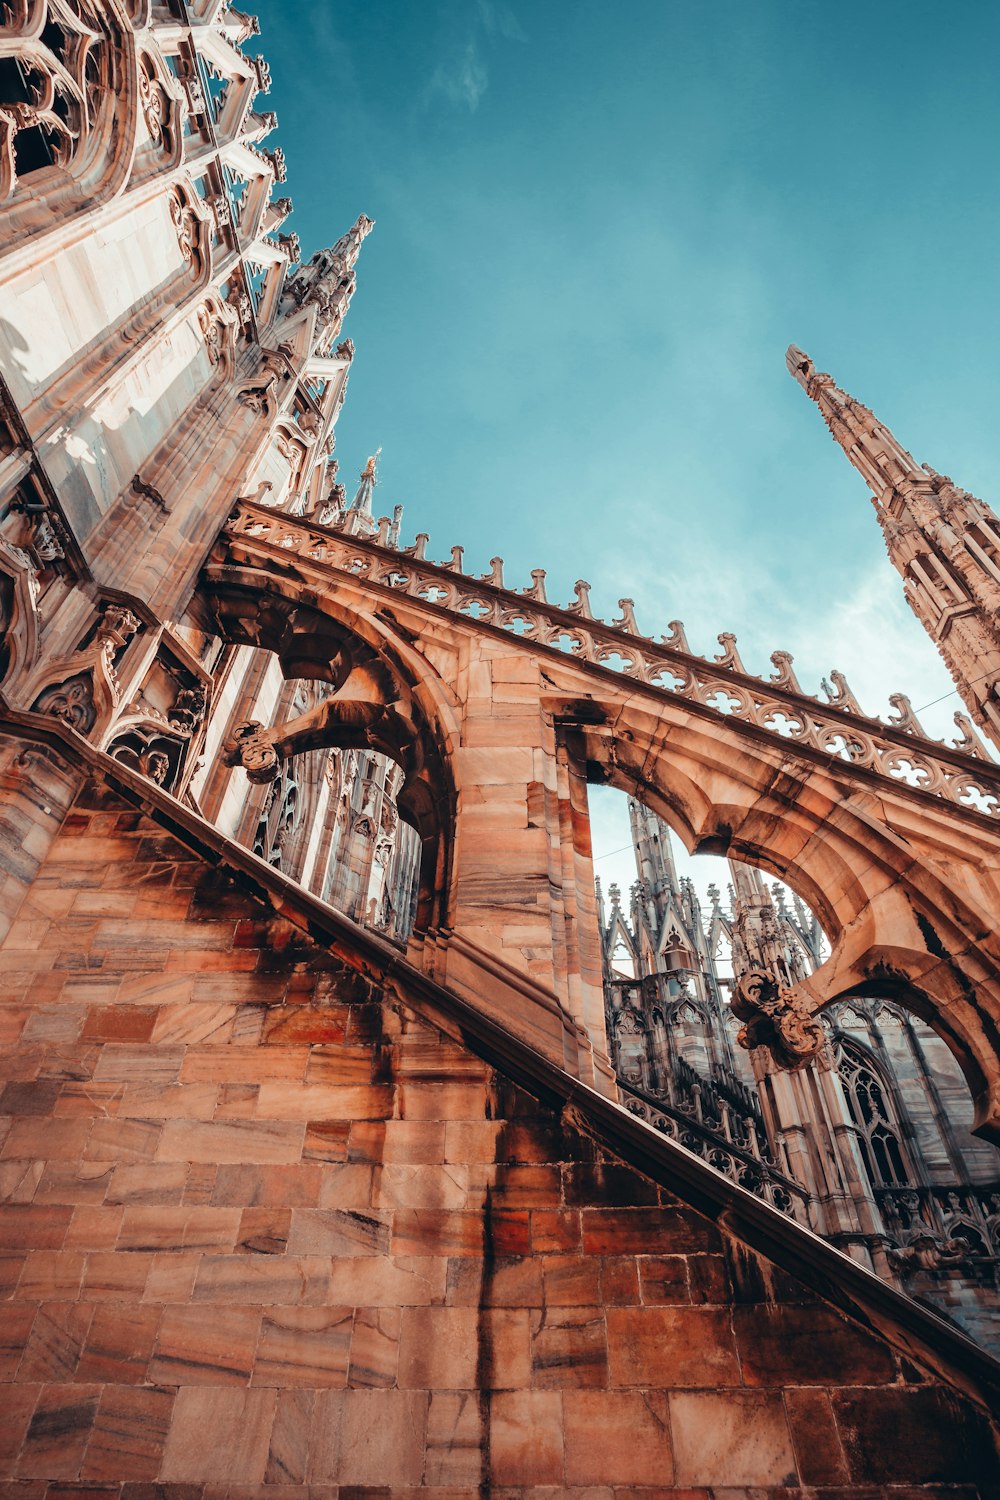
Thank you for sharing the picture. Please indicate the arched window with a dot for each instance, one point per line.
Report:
(874, 1116)
(277, 819)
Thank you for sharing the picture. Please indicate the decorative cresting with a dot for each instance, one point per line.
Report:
(898, 749)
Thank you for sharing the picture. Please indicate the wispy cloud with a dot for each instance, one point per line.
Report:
(500, 20)
(462, 76)
(462, 80)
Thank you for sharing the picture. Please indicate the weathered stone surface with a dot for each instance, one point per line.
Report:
(392, 1319)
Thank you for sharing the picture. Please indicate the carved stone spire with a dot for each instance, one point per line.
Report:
(328, 281)
(943, 541)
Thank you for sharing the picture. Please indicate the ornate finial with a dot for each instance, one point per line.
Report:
(359, 520)
(537, 589)
(327, 282)
(905, 718)
(799, 365)
(582, 606)
(677, 639)
(730, 656)
(784, 674)
(840, 694)
(970, 743)
(626, 622)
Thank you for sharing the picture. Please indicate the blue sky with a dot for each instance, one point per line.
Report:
(597, 229)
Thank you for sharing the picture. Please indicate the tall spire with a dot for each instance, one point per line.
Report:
(359, 519)
(943, 541)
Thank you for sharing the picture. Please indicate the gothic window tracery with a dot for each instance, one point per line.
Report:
(874, 1116)
(277, 819)
(65, 70)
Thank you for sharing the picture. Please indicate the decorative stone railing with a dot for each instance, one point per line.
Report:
(897, 749)
(742, 1164)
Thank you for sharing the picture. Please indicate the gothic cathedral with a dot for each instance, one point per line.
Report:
(351, 1143)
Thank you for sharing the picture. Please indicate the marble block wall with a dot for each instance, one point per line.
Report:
(266, 1234)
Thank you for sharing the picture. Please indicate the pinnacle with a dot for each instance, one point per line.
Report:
(799, 365)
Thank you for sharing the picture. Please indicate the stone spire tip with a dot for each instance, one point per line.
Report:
(799, 365)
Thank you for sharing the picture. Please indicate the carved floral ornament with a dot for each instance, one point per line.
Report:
(154, 103)
(191, 229)
(217, 325)
(776, 1018)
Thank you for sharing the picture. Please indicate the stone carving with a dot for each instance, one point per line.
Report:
(365, 714)
(927, 1252)
(775, 1018)
(151, 754)
(46, 542)
(256, 397)
(277, 161)
(188, 227)
(149, 492)
(71, 701)
(251, 747)
(291, 246)
(195, 94)
(153, 102)
(188, 710)
(116, 628)
(238, 299)
(215, 324)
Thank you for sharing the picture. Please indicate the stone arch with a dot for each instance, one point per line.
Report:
(904, 882)
(368, 664)
(913, 928)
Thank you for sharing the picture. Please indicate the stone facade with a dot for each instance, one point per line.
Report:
(315, 1181)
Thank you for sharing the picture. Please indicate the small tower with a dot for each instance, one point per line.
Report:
(943, 541)
(328, 281)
